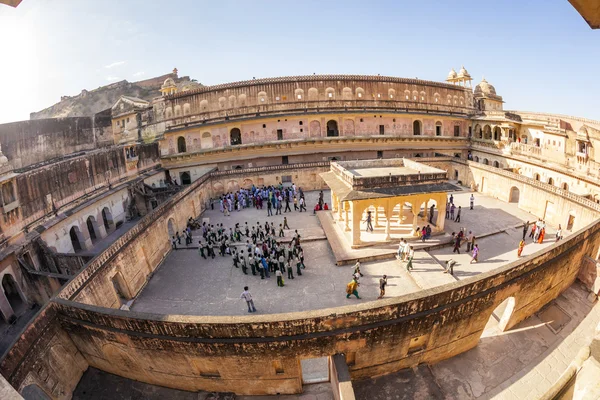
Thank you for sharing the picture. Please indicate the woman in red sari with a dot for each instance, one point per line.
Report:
(542, 234)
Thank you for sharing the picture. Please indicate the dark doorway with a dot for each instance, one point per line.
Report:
(279, 134)
(235, 137)
(417, 127)
(284, 160)
(91, 228)
(456, 131)
(181, 147)
(438, 129)
(185, 178)
(332, 128)
(382, 129)
(75, 236)
(107, 219)
(12, 294)
(570, 222)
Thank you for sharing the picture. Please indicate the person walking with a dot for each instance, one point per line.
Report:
(287, 205)
(351, 289)
(456, 248)
(452, 208)
(431, 211)
(174, 243)
(368, 221)
(458, 214)
(279, 276)
(290, 271)
(281, 234)
(411, 254)
(448, 210)
(451, 198)
(475, 254)
(382, 285)
(295, 203)
(559, 233)
(269, 208)
(471, 201)
(521, 247)
(525, 229)
(532, 233)
(285, 224)
(542, 234)
(248, 297)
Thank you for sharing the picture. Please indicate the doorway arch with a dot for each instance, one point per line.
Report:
(181, 146)
(13, 294)
(107, 219)
(77, 240)
(515, 193)
(92, 227)
(536, 177)
(171, 227)
(497, 133)
(550, 181)
(332, 128)
(235, 137)
(565, 186)
(185, 178)
(416, 127)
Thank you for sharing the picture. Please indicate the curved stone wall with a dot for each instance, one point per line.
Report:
(198, 352)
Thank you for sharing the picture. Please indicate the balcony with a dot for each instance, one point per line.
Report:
(10, 206)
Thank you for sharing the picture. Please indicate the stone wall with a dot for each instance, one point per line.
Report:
(196, 352)
(30, 142)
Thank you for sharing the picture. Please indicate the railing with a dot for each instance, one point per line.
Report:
(270, 168)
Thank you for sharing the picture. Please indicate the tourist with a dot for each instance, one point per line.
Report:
(525, 229)
(458, 214)
(431, 211)
(279, 277)
(325, 207)
(457, 243)
(317, 208)
(541, 236)
(411, 254)
(450, 267)
(178, 237)
(521, 247)
(290, 271)
(382, 285)
(351, 288)
(269, 208)
(451, 198)
(448, 210)
(452, 208)
(424, 234)
(532, 234)
(298, 266)
(470, 241)
(368, 221)
(201, 249)
(285, 224)
(302, 204)
(475, 254)
(248, 297)
(357, 269)
(418, 232)
(281, 233)
(471, 201)
(559, 233)
(295, 203)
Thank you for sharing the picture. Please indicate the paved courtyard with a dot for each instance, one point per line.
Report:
(189, 285)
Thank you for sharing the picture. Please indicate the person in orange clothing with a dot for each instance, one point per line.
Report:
(351, 289)
(542, 234)
(521, 247)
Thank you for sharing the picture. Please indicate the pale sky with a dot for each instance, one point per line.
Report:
(540, 55)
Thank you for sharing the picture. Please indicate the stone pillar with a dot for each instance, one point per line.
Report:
(356, 217)
(341, 207)
(388, 216)
(415, 212)
(426, 210)
(441, 218)
(334, 203)
(376, 215)
(346, 207)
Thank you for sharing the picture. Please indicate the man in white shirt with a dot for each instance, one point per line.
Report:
(248, 297)
(472, 200)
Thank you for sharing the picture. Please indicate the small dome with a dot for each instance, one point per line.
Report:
(169, 82)
(485, 88)
(463, 71)
(452, 74)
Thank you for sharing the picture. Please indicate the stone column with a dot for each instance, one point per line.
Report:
(341, 207)
(388, 216)
(441, 218)
(415, 212)
(346, 207)
(376, 215)
(426, 210)
(334, 203)
(356, 217)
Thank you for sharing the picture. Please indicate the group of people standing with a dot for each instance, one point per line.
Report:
(272, 197)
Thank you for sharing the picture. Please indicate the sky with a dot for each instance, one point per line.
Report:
(539, 54)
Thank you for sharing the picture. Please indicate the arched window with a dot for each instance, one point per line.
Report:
(185, 178)
(107, 219)
(565, 186)
(417, 127)
(76, 239)
(438, 128)
(11, 291)
(496, 164)
(235, 137)
(485, 161)
(550, 181)
(536, 177)
(497, 133)
(181, 148)
(332, 128)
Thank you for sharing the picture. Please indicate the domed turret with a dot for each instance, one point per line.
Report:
(168, 87)
(485, 88)
(451, 74)
(463, 73)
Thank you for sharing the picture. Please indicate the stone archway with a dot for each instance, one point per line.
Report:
(185, 178)
(332, 128)
(417, 127)
(171, 228)
(181, 146)
(107, 219)
(235, 136)
(93, 228)
(13, 295)
(77, 239)
(514, 195)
